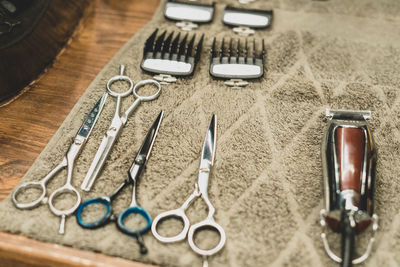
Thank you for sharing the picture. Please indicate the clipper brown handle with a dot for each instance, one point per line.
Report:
(350, 146)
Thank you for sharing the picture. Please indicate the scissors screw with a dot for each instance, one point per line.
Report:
(139, 161)
(78, 142)
(113, 129)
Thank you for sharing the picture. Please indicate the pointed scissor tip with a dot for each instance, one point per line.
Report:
(161, 115)
(213, 128)
(208, 152)
(151, 136)
(213, 122)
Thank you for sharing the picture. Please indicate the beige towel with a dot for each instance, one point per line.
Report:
(266, 184)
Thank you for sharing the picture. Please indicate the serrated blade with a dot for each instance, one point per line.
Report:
(91, 118)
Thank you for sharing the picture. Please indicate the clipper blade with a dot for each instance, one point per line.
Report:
(348, 114)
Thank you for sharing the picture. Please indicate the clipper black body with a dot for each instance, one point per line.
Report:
(349, 163)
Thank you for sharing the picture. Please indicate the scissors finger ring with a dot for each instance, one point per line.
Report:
(206, 224)
(120, 77)
(142, 83)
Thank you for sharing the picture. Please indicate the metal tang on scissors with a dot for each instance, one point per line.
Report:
(349, 161)
(68, 161)
(117, 124)
(133, 176)
(206, 162)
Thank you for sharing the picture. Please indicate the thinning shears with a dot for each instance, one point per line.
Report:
(206, 162)
(132, 178)
(118, 122)
(68, 161)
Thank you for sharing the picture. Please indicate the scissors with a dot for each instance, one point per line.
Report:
(117, 124)
(133, 175)
(68, 161)
(206, 162)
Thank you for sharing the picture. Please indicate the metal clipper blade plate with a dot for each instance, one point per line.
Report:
(169, 55)
(188, 15)
(246, 20)
(237, 62)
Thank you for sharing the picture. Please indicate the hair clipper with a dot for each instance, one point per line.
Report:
(349, 163)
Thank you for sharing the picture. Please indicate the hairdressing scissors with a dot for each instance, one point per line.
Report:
(132, 178)
(117, 124)
(206, 162)
(68, 161)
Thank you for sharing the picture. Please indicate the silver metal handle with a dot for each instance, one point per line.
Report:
(38, 184)
(142, 83)
(21, 188)
(63, 213)
(177, 213)
(140, 98)
(208, 223)
(120, 77)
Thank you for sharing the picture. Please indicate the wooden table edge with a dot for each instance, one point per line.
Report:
(32, 252)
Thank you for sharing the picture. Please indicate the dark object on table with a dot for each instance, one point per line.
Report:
(32, 33)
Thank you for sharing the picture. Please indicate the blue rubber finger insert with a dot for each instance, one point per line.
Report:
(137, 210)
(97, 223)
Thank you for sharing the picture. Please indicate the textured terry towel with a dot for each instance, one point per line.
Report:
(266, 183)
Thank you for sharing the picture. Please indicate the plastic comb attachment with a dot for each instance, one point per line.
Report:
(252, 18)
(237, 60)
(171, 54)
(193, 12)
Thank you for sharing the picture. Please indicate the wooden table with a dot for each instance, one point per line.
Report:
(27, 124)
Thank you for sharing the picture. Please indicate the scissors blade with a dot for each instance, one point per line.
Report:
(145, 149)
(91, 118)
(98, 162)
(208, 153)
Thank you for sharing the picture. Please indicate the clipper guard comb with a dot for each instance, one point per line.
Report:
(246, 21)
(237, 62)
(188, 14)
